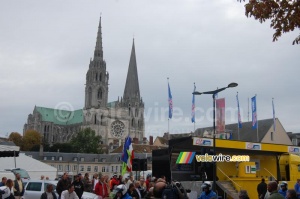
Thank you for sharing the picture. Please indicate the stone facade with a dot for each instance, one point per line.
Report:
(112, 120)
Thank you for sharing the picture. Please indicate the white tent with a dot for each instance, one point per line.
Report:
(34, 167)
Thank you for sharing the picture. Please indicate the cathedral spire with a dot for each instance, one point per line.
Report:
(132, 90)
(99, 49)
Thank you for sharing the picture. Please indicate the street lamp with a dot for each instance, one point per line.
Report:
(213, 93)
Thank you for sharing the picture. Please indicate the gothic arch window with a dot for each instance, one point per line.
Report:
(95, 119)
(48, 128)
(96, 78)
(138, 124)
(100, 77)
(136, 112)
(100, 93)
(90, 96)
(101, 119)
(132, 122)
(45, 129)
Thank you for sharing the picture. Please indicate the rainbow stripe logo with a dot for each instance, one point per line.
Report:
(185, 157)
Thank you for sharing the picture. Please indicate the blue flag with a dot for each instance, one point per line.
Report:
(274, 120)
(254, 113)
(170, 102)
(193, 106)
(239, 113)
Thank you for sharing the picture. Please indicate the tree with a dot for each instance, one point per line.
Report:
(86, 141)
(31, 138)
(284, 15)
(16, 138)
(62, 147)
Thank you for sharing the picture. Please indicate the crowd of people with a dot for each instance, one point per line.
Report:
(118, 187)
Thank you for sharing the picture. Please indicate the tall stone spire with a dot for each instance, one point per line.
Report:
(99, 49)
(132, 90)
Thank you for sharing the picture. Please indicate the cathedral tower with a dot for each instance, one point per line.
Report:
(96, 87)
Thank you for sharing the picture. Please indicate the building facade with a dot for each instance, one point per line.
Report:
(113, 121)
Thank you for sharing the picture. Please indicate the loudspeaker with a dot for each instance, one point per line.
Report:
(135, 164)
(143, 164)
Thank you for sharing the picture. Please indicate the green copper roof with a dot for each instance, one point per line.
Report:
(61, 117)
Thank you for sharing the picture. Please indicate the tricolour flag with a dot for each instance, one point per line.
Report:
(193, 106)
(170, 102)
(254, 113)
(239, 113)
(185, 157)
(127, 156)
(274, 120)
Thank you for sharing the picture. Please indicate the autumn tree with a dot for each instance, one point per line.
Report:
(16, 138)
(31, 138)
(86, 141)
(284, 15)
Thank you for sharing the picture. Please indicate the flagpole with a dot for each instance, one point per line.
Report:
(274, 119)
(194, 111)
(256, 117)
(238, 123)
(248, 109)
(169, 112)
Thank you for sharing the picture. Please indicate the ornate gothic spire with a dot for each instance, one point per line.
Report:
(99, 49)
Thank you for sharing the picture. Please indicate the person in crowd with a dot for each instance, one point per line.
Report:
(47, 178)
(121, 192)
(114, 182)
(130, 190)
(120, 179)
(78, 185)
(3, 182)
(142, 187)
(42, 177)
(136, 192)
(297, 188)
(147, 182)
(101, 189)
(95, 181)
(207, 193)
(63, 184)
(8, 190)
(18, 187)
(262, 189)
(272, 189)
(243, 194)
(87, 183)
(283, 188)
(158, 189)
(49, 193)
(291, 194)
(149, 194)
(106, 181)
(69, 193)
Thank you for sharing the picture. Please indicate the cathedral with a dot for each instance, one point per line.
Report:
(113, 121)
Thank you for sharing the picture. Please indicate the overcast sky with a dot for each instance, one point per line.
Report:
(46, 46)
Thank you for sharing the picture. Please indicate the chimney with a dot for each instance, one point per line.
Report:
(151, 140)
(135, 140)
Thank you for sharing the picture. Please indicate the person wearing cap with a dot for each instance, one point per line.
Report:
(78, 185)
(283, 188)
(207, 193)
(122, 192)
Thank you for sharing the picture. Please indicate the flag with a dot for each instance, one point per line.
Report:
(193, 106)
(254, 113)
(220, 115)
(239, 113)
(170, 102)
(127, 156)
(274, 120)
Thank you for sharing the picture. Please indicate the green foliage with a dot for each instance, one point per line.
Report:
(16, 138)
(284, 15)
(30, 139)
(86, 141)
